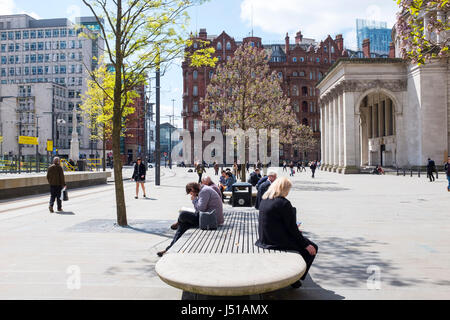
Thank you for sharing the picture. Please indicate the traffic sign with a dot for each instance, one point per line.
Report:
(28, 140)
(49, 145)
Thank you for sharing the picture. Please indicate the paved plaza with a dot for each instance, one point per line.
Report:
(389, 228)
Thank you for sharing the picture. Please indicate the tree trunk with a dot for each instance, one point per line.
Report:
(243, 173)
(117, 124)
(104, 150)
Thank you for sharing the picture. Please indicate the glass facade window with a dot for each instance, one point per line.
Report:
(62, 45)
(10, 35)
(18, 35)
(26, 34)
(40, 34)
(11, 47)
(55, 33)
(32, 58)
(32, 34)
(48, 33)
(3, 47)
(40, 46)
(63, 32)
(33, 46)
(3, 36)
(40, 58)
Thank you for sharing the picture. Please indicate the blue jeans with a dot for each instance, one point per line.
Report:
(448, 178)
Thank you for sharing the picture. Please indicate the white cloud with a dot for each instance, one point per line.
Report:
(316, 19)
(9, 7)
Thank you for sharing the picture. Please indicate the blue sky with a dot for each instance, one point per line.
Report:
(271, 20)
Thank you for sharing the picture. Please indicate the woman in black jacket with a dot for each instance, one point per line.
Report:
(139, 176)
(278, 225)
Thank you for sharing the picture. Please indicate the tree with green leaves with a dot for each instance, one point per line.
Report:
(244, 94)
(97, 105)
(423, 27)
(140, 36)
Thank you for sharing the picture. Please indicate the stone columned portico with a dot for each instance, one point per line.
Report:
(360, 111)
(384, 112)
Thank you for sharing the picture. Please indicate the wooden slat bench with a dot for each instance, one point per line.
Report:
(226, 262)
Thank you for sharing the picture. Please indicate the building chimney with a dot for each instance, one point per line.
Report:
(366, 48)
(203, 34)
(298, 37)
(339, 42)
(287, 47)
(391, 50)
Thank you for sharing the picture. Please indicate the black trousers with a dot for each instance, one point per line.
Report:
(431, 176)
(308, 258)
(55, 193)
(186, 220)
(313, 172)
(200, 177)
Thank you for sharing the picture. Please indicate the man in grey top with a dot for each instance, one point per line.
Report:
(204, 199)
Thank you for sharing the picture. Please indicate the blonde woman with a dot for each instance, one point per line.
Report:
(278, 225)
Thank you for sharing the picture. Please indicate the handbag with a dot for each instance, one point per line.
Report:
(65, 194)
(208, 220)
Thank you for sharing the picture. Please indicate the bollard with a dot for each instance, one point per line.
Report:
(437, 174)
(418, 173)
(404, 172)
(411, 173)
(397, 171)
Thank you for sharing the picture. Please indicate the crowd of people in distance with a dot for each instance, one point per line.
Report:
(301, 166)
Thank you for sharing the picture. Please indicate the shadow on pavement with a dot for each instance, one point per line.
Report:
(308, 291)
(65, 213)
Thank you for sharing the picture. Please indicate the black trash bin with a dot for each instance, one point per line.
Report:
(81, 165)
(242, 194)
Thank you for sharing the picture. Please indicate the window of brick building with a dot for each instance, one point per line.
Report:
(195, 75)
(195, 106)
(228, 46)
(304, 106)
(294, 90)
(305, 91)
(219, 45)
(195, 91)
(294, 59)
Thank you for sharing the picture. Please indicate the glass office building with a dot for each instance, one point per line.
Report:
(378, 33)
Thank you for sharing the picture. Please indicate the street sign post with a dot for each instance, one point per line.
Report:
(49, 145)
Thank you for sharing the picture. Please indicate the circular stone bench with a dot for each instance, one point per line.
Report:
(225, 262)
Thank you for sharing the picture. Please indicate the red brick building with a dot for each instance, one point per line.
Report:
(133, 142)
(301, 65)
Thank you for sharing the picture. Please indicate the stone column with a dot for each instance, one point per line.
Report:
(330, 136)
(351, 134)
(322, 135)
(336, 134)
(340, 133)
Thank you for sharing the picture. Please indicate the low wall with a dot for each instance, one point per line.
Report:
(24, 186)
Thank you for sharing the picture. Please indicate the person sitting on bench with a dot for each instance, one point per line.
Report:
(255, 176)
(263, 187)
(277, 227)
(230, 181)
(205, 199)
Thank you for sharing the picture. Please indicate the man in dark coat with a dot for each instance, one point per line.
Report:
(55, 177)
(313, 167)
(447, 171)
(255, 176)
(271, 177)
(431, 168)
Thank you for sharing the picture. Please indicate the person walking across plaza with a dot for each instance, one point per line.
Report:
(55, 178)
(447, 171)
(216, 168)
(291, 168)
(277, 227)
(139, 176)
(431, 169)
(313, 168)
(200, 169)
(205, 199)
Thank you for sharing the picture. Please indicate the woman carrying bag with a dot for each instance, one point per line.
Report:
(139, 176)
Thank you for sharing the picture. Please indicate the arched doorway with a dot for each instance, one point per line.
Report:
(378, 141)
